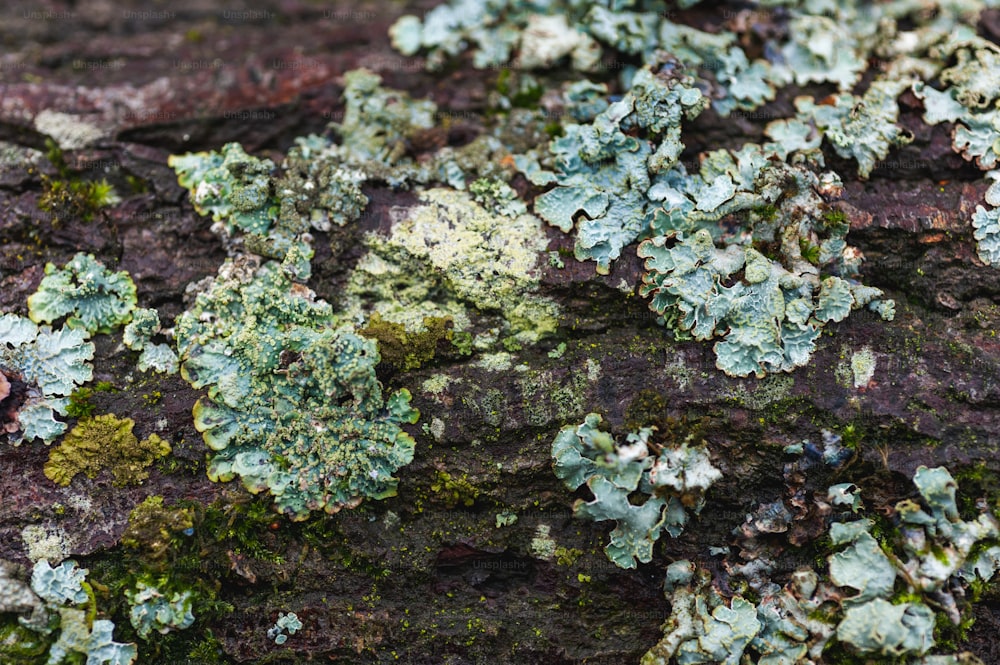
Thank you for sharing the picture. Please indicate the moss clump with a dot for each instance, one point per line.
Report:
(70, 197)
(408, 350)
(153, 526)
(19, 645)
(80, 405)
(105, 442)
(454, 490)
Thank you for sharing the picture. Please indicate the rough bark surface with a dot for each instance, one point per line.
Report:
(428, 576)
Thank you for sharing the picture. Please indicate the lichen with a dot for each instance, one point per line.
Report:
(50, 364)
(675, 478)
(50, 543)
(105, 442)
(138, 336)
(605, 171)
(286, 622)
(92, 298)
(293, 406)
(929, 559)
(448, 255)
(152, 609)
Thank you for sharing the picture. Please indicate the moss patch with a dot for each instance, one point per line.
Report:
(407, 350)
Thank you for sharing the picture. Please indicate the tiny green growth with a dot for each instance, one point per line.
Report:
(79, 405)
(454, 490)
(70, 197)
(102, 442)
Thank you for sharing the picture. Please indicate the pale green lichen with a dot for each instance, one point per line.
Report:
(449, 256)
(675, 478)
(863, 364)
(152, 609)
(293, 403)
(138, 335)
(769, 311)
(92, 298)
(437, 384)
(50, 543)
(929, 560)
(863, 128)
(289, 622)
(605, 171)
(70, 131)
(542, 545)
(52, 364)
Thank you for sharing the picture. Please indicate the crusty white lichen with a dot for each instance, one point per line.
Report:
(449, 256)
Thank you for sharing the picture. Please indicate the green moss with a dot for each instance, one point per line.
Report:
(152, 527)
(79, 403)
(454, 490)
(408, 350)
(19, 645)
(105, 442)
(978, 480)
(70, 197)
(767, 212)
(832, 217)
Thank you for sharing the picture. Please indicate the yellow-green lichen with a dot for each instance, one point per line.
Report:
(105, 442)
(449, 256)
(437, 384)
(454, 490)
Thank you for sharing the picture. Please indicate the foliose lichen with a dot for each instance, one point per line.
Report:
(45, 366)
(286, 622)
(675, 479)
(152, 609)
(293, 404)
(92, 298)
(138, 336)
(605, 170)
(861, 607)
